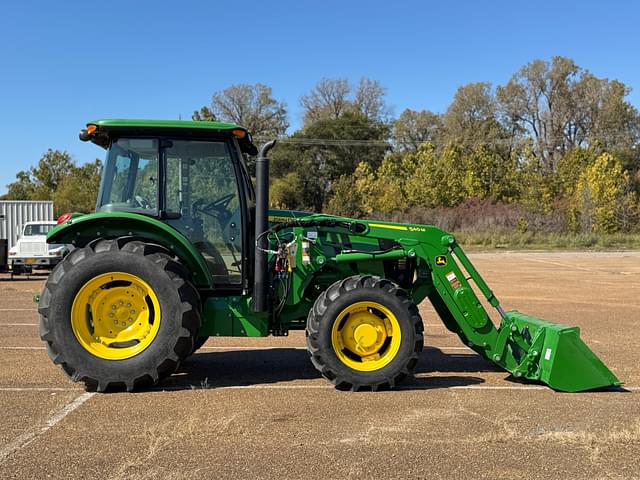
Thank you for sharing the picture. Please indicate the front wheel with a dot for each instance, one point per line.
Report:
(119, 314)
(364, 332)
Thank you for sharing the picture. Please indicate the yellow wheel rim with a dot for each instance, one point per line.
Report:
(366, 336)
(115, 316)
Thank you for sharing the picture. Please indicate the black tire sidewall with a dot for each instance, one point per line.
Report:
(76, 276)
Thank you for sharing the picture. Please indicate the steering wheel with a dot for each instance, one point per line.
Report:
(141, 202)
(219, 208)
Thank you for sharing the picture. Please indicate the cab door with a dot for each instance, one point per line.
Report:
(203, 201)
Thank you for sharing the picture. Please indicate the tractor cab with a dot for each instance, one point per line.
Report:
(196, 182)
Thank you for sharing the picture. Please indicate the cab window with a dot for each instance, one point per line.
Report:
(202, 192)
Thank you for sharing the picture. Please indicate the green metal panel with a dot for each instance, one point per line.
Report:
(161, 124)
(232, 316)
(81, 230)
(558, 357)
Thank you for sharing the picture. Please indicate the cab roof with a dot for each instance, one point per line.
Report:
(105, 129)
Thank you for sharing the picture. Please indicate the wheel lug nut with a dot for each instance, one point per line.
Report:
(133, 312)
(113, 307)
(111, 315)
(130, 319)
(115, 322)
(124, 324)
(128, 304)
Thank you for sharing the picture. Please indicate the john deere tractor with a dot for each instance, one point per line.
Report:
(181, 247)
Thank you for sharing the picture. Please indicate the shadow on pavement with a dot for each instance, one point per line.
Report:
(435, 360)
(210, 370)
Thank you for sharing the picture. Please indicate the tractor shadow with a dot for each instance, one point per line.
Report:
(243, 368)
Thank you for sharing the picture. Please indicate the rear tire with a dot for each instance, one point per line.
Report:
(364, 333)
(87, 293)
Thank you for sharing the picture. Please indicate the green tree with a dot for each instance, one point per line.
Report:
(41, 181)
(562, 106)
(369, 100)
(332, 98)
(537, 185)
(204, 115)
(287, 192)
(602, 115)
(344, 198)
(328, 100)
(572, 166)
(368, 192)
(324, 151)
(434, 179)
(537, 103)
(250, 106)
(77, 191)
(414, 128)
(388, 194)
(490, 176)
(471, 119)
(22, 189)
(603, 199)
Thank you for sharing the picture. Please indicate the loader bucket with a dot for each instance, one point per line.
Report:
(556, 355)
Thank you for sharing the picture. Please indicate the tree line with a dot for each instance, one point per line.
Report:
(554, 149)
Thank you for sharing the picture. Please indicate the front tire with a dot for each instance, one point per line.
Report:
(119, 314)
(364, 332)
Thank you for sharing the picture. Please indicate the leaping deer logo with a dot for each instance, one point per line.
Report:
(441, 260)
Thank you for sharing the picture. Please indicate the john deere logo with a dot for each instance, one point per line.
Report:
(441, 260)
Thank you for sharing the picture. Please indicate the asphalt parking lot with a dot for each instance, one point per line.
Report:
(256, 408)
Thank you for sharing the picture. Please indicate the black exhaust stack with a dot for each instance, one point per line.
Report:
(262, 225)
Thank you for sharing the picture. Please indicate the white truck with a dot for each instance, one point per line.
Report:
(32, 250)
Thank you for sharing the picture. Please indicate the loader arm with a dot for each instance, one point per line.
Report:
(527, 347)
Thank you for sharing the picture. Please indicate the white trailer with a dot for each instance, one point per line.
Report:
(14, 215)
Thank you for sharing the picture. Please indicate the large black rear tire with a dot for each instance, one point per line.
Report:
(112, 269)
(364, 333)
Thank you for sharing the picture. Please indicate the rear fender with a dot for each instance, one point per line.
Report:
(81, 230)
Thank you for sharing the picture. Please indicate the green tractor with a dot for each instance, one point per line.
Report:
(181, 247)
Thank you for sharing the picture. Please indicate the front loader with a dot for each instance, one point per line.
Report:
(181, 248)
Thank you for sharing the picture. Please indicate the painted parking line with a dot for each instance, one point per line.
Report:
(40, 389)
(28, 437)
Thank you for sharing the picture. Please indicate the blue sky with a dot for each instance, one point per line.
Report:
(63, 63)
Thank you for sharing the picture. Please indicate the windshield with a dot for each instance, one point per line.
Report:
(131, 176)
(37, 229)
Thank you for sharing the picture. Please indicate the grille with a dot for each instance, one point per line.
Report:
(33, 248)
